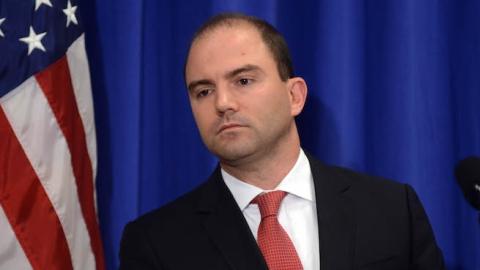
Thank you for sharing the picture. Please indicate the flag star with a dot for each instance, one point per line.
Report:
(38, 3)
(34, 41)
(1, 21)
(70, 13)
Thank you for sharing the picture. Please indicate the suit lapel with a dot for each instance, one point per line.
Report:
(227, 227)
(336, 223)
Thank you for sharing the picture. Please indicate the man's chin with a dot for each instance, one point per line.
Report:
(232, 155)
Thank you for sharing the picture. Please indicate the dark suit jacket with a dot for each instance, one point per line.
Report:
(364, 223)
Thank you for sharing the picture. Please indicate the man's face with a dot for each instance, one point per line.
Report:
(241, 106)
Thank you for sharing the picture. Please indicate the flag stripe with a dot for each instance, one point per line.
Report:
(78, 64)
(55, 81)
(29, 115)
(11, 252)
(28, 208)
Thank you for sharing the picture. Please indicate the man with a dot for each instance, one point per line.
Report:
(270, 205)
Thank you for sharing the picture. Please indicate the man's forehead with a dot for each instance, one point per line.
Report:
(230, 46)
(224, 30)
(225, 43)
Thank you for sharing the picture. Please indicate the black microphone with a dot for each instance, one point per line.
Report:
(468, 177)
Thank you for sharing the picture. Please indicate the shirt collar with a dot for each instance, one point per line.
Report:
(298, 182)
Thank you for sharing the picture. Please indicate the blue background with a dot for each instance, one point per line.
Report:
(394, 90)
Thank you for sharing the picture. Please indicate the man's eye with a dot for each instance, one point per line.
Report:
(244, 81)
(203, 93)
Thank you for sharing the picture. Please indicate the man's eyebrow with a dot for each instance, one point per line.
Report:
(194, 84)
(242, 69)
(230, 74)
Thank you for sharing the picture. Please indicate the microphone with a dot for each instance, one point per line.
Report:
(468, 177)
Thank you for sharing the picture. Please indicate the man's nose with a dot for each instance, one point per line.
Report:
(225, 100)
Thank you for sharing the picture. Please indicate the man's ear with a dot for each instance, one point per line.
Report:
(297, 88)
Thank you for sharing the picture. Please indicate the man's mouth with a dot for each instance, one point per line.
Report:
(228, 126)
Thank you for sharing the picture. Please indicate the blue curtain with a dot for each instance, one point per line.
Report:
(394, 90)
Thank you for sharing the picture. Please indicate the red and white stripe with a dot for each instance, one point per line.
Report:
(47, 170)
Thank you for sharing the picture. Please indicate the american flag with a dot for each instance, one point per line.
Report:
(47, 139)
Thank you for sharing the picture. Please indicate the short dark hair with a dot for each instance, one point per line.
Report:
(270, 36)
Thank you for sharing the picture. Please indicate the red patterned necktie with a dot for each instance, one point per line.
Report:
(276, 246)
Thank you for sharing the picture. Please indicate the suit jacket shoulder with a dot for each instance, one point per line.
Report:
(203, 229)
(374, 222)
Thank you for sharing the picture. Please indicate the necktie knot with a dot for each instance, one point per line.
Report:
(269, 203)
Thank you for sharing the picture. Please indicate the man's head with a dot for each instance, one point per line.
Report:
(243, 98)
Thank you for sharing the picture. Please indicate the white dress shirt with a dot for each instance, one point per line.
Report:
(297, 214)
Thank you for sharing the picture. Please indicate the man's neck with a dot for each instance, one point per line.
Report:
(268, 171)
